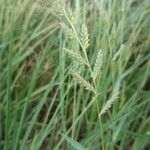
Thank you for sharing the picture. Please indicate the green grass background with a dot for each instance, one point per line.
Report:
(43, 107)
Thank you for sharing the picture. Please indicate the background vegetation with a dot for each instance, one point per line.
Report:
(42, 106)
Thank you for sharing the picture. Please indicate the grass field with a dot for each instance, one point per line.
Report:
(75, 75)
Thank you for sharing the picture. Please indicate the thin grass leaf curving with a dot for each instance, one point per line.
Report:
(76, 145)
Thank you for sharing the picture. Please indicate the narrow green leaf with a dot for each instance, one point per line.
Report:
(76, 145)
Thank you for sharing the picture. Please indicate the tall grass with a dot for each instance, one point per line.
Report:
(74, 74)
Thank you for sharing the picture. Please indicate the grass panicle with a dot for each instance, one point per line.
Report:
(98, 65)
(68, 31)
(82, 81)
(85, 36)
(107, 105)
(75, 56)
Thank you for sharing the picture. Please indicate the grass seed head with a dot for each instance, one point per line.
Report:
(82, 81)
(85, 36)
(98, 65)
(76, 56)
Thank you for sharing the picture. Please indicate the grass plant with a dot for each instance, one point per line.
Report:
(74, 74)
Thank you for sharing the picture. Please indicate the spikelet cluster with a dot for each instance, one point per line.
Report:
(107, 105)
(75, 56)
(85, 36)
(71, 16)
(98, 65)
(44, 3)
(68, 31)
(82, 81)
(56, 7)
(118, 52)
